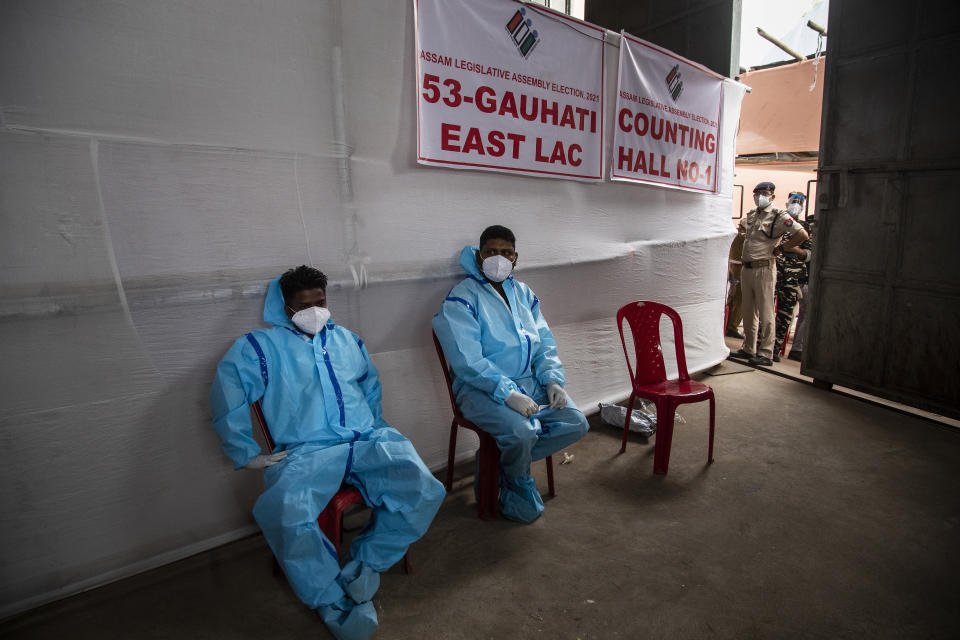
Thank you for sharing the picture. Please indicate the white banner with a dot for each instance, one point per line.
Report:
(667, 130)
(507, 86)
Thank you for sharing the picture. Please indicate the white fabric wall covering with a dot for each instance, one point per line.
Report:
(159, 162)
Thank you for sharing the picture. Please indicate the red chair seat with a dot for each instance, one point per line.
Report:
(690, 389)
(330, 519)
(649, 380)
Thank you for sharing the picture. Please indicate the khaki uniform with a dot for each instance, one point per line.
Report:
(735, 313)
(762, 231)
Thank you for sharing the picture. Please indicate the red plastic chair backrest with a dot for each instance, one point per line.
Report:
(446, 373)
(643, 317)
(267, 438)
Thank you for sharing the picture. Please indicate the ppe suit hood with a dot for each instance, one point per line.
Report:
(273, 312)
(468, 260)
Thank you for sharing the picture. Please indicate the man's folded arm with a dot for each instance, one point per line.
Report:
(459, 333)
(546, 361)
(238, 383)
(372, 389)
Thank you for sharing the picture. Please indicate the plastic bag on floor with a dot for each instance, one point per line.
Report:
(643, 420)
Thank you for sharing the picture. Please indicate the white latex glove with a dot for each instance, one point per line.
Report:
(556, 396)
(522, 404)
(261, 461)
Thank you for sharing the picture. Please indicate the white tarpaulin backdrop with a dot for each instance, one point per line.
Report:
(159, 162)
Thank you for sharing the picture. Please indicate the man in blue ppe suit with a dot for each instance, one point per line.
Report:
(505, 368)
(320, 394)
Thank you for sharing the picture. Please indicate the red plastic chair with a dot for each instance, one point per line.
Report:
(331, 518)
(488, 480)
(786, 337)
(650, 378)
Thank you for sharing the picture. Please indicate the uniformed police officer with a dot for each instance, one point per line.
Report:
(762, 229)
(792, 273)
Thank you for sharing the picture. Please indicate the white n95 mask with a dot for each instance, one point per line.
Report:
(497, 268)
(311, 320)
(794, 209)
(763, 201)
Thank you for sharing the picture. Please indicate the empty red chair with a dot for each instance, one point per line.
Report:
(488, 479)
(331, 518)
(650, 378)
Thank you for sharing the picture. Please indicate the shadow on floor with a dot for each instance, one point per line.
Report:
(822, 517)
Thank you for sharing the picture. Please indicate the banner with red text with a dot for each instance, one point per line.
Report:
(667, 130)
(507, 86)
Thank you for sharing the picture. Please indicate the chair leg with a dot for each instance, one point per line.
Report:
(626, 424)
(333, 529)
(550, 485)
(710, 450)
(661, 448)
(451, 454)
(488, 484)
(330, 522)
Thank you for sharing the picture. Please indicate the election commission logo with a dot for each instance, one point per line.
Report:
(522, 32)
(674, 83)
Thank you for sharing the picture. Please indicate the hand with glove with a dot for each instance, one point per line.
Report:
(522, 404)
(556, 396)
(265, 460)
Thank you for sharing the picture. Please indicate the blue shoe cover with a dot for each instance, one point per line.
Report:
(349, 621)
(520, 501)
(359, 581)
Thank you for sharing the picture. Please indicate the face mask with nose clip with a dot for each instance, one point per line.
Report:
(794, 209)
(496, 268)
(311, 320)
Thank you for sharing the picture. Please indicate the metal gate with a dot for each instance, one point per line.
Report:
(885, 283)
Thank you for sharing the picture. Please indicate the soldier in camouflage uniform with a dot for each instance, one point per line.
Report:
(792, 273)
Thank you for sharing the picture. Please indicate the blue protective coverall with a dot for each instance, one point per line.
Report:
(321, 400)
(493, 350)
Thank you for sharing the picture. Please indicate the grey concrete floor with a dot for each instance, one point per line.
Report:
(822, 517)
